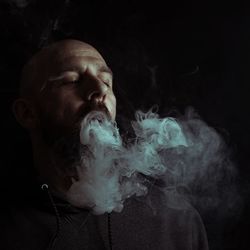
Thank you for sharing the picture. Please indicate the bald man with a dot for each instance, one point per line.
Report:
(60, 85)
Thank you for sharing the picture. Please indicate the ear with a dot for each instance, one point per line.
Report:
(24, 112)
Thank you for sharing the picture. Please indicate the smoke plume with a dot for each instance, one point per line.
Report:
(184, 153)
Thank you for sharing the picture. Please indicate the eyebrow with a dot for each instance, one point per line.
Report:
(106, 69)
(59, 76)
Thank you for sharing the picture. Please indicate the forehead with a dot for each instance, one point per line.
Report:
(74, 56)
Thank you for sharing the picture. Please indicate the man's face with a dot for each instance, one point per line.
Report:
(75, 81)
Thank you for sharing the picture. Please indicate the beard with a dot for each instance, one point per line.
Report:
(63, 138)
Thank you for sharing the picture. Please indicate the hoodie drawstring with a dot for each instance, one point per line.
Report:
(110, 232)
(58, 221)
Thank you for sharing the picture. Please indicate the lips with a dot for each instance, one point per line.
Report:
(99, 108)
(95, 115)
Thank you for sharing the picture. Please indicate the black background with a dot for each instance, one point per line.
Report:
(199, 53)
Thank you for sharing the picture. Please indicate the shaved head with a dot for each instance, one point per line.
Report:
(36, 70)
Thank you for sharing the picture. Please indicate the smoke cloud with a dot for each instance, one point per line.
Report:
(184, 153)
(19, 3)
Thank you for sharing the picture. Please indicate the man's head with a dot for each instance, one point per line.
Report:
(59, 86)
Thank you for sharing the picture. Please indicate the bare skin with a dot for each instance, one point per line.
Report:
(59, 86)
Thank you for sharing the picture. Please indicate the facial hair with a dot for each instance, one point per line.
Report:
(64, 139)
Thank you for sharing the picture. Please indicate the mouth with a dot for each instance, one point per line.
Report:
(97, 116)
(98, 112)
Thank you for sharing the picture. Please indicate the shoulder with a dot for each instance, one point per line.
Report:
(177, 218)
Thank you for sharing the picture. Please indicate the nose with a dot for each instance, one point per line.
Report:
(97, 90)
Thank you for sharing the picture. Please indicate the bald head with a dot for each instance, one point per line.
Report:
(40, 66)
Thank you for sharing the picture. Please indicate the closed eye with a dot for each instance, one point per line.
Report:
(107, 80)
(65, 78)
(108, 84)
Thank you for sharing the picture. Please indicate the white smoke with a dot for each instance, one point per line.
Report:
(182, 152)
(19, 3)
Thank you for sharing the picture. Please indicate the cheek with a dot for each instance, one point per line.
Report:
(61, 108)
(111, 105)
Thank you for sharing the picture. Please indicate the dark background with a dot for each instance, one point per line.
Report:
(176, 55)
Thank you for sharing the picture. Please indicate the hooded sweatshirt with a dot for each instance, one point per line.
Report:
(162, 220)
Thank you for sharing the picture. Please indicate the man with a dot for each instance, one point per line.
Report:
(60, 86)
